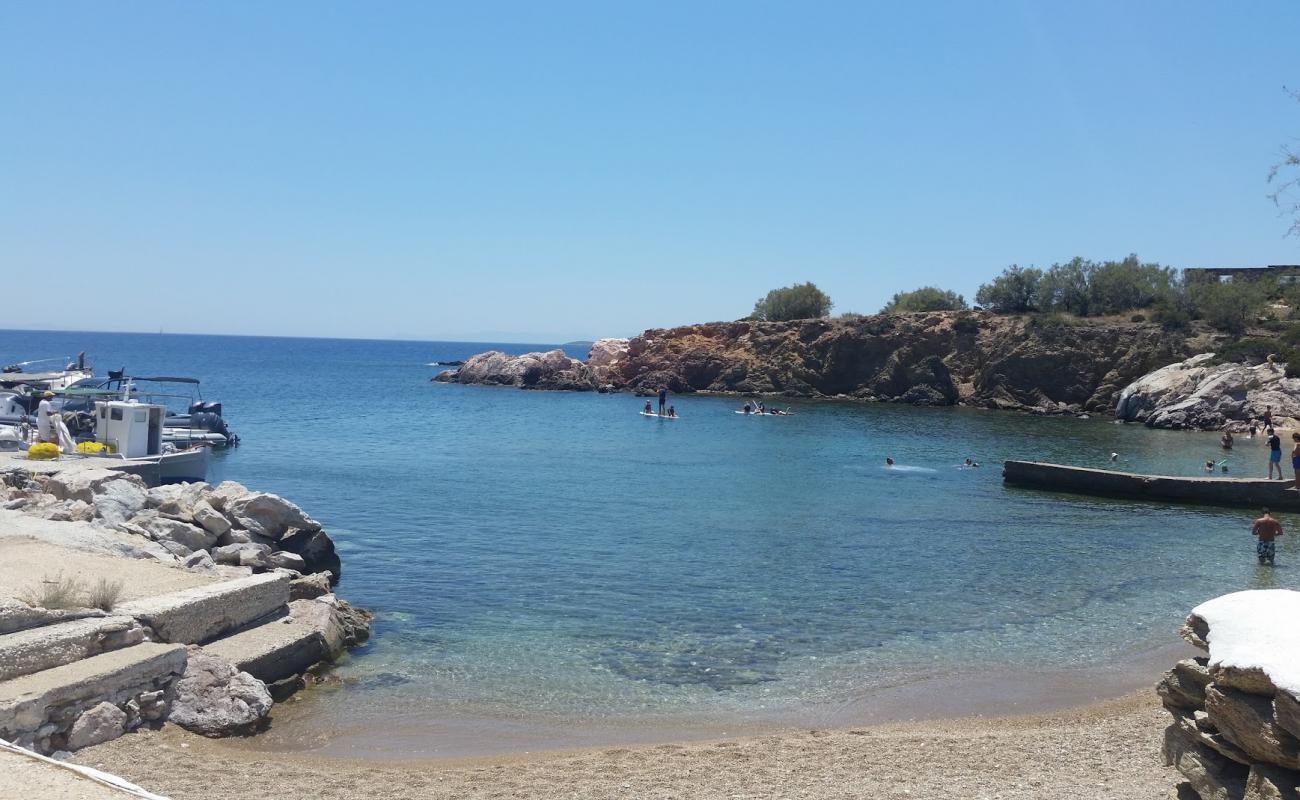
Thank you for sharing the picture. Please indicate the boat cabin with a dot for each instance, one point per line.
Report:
(132, 429)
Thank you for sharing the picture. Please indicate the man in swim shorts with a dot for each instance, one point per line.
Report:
(1274, 454)
(1267, 529)
(663, 398)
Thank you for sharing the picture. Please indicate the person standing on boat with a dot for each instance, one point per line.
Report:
(1267, 529)
(45, 414)
(663, 399)
(1274, 454)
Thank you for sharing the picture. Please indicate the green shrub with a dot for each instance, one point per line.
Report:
(1227, 306)
(1138, 318)
(1015, 291)
(927, 298)
(1171, 317)
(966, 324)
(800, 301)
(1254, 350)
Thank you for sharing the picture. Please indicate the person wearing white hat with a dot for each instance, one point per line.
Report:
(45, 414)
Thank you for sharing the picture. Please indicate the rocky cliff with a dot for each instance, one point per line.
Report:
(941, 358)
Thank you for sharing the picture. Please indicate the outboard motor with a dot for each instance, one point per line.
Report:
(195, 407)
(211, 422)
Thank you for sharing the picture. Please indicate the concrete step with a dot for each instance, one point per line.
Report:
(273, 651)
(200, 614)
(43, 704)
(50, 646)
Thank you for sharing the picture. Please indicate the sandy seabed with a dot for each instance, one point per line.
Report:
(1109, 749)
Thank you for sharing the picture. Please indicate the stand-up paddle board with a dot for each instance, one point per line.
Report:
(658, 416)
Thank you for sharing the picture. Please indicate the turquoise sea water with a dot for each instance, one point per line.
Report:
(554, 559)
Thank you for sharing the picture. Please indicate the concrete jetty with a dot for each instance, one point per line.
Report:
(1228, 492)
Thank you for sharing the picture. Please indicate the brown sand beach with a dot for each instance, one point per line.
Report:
(1106, 749)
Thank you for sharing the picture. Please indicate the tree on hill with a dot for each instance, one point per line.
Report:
(927, 298)
(1014, 291)
(800, 301)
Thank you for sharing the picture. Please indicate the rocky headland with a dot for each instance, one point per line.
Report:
(1044, 364)
(1200, 394)
(124, 606)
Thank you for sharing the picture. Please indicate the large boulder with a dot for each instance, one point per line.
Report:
(177, 500)
(605, 352)
(116, 501)
(211, 520)
(317, 551)
(180, 538)
(213, 698)
(268, 515)
(83, 485)
(1197, 394)
(97, 725)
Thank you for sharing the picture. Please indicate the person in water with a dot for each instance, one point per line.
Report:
(1226, 440)
(1209, 466)
(1274, 454)
(1253, 428)
(1267, 529)
(663, 398)
(648, 408)
(672, 411)
(889, 461)
(747, 409)
(970, 463)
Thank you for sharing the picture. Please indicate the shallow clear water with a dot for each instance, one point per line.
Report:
(553, 556)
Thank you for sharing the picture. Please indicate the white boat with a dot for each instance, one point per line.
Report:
(131, 436)
(16, 375)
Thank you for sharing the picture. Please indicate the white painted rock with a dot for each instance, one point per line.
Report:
(97, 725)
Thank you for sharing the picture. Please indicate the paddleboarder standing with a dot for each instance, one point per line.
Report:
(663, 398)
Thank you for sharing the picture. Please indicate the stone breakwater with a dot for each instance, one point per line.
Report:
(188, 603)
(1197, 394)
(940, 358)
(1236, 728)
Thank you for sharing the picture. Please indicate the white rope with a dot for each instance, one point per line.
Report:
(87, 772)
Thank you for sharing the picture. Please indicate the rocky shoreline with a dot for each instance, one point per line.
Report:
(188, 603)
(1043, 365)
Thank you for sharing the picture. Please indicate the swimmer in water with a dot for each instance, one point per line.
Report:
(970, 463)
(1114, 457)
(889, 462)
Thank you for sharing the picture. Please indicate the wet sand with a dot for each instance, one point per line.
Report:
(1108, 749)
(316, 722)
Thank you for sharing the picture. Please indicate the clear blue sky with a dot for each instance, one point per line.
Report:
(548, 171)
